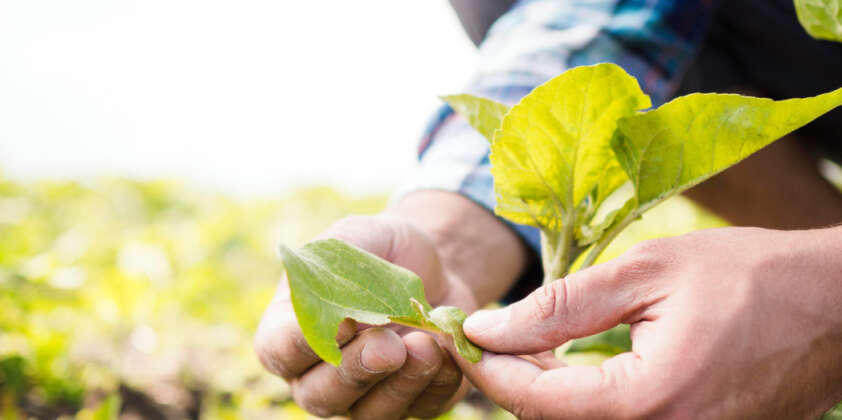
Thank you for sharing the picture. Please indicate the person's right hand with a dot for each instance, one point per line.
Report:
(385, 373)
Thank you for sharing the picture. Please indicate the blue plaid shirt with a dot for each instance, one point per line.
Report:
(536, 40)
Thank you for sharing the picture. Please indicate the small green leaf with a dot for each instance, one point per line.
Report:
(694, 137)
(589, 234)
(485, 115)
(821, 18)
(330, 280)
(450, 319)
(553, 148)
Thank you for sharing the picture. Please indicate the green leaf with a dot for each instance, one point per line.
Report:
(694, 137)
(485, 115)
(330, 281)
(821, 18)
(553, 148)
(450, 319)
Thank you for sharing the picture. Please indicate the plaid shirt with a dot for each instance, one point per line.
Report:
(654, 40)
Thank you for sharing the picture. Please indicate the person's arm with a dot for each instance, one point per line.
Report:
(780, 187)
(465, 256)
(535, 41)
(727, 323)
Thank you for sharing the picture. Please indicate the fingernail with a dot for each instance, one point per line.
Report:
(481, 322)
(382, 352)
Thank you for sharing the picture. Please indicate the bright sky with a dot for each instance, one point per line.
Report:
(245, 96)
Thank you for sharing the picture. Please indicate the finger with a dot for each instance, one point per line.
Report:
(546, 360)
(281, 346)
(327, 390)
(391, 397)
(446, 388)
(574, 392)
(579, 305)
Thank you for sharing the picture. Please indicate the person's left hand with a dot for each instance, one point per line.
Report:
(735, 323)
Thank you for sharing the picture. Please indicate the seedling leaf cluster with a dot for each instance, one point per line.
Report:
(563, 155)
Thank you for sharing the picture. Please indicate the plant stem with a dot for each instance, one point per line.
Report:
(606, 240)
(549, 254)
(426, 326)
(557, 251)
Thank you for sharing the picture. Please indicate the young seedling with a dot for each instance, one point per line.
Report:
(573, 142)
(578, 158)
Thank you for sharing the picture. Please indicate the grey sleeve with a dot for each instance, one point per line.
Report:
(478, 15)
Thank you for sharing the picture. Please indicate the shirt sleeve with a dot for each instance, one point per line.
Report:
(536, 40)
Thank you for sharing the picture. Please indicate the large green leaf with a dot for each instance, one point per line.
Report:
(821, 18)
(330, 281)
(694, 137)
(553, 150)
(485, 115)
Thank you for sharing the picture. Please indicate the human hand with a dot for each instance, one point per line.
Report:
(385, 373)
(735, 323)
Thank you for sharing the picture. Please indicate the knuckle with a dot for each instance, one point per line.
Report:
(355, 379)
(644, 260)
(400, 391)
(280, 347)
(447, 377)
(523, 407)
(300, 346)
(270, 356)
(550, 302)
(431, 405)
(424, 358)
(313, 403)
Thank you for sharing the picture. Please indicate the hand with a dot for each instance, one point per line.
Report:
(735, 323)
(385, 373)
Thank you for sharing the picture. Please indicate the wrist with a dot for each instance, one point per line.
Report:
(475, 247)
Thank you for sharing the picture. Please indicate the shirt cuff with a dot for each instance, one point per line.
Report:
(457, 161)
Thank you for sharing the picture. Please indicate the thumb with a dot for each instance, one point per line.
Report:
(582, 304)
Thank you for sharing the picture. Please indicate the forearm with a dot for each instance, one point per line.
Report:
(474, 246)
